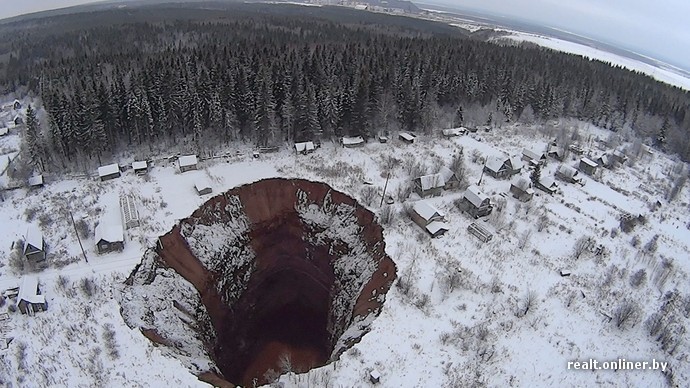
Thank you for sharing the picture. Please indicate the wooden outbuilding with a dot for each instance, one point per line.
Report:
(429, 185)
(533, 157)
(547, 185)
(29, 299)
(140, 167)
(407, 137)
(202, 186)
(429, 218)
(108, 172)
(35, 181)
(304, 148)
(187, 163)
(568, 174)
(588, 166)
(34, 245)
(475, 203)
(352, 142)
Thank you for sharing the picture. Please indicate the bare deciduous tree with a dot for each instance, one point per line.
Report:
(626, 314)
(581, 246)
(527, 303)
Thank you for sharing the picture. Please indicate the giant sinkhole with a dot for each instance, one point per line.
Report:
(275, 275)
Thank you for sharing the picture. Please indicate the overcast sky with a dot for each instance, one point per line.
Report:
(657, 28)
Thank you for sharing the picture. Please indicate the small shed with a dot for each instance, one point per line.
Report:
(187, 163)
(140, 167)
(16, 105)
(576, 148)
(522, 190)
(588, 166)
(605, 160)
(476, 203)
(34, 245)
(18, 120)
(451, 181)
(383, 139)
(202, 186)
(305, 147)
(406, 137)
(109, 236)
(429, 185)
(556, 152)
(108, 172)
(29, 299)
(36, 181)
(568, 174)
(547, 185)
(4, 131)
(429, 218)
(374, 376)
(480, 232)
(619, 156)
(352, 142)
(130, 215)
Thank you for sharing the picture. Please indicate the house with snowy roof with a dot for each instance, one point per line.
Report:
(475, 203)
(305, 147)
(109, 235)
(187, 163)
(451, 181)
(35, 181)
(568, 174)
(29, 299)
(547, 185)
(429, 185)
(522, 189)
(108, 172)
(406, 137)
(140, 167)
(588, 166)
(429, 218)
(533, 157)
(352, 142)
(16, 105)
(202, 186)
(34, 245)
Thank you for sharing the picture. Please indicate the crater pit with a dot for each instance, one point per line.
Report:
(271, 276)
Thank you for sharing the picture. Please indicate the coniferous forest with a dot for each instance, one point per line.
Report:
(205, 74)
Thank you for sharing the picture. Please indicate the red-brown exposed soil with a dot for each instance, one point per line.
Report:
(286, 307)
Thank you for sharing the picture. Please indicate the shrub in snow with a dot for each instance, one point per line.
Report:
(626, 314)
(638, 279)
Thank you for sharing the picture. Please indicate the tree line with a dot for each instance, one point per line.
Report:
(269, 77)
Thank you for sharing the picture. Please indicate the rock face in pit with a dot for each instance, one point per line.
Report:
(274, 268)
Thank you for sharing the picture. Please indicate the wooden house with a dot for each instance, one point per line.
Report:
(34, 245)
(496, 167)
(304, 148)
(568, 174)
(522, 189)
(16, 105)
(35, 181)
(588, 166)
(429, 185)
(202, 186)
(429, 218)
(451, 182)
(533, 157)
(130, 215)
(352, 142)
(29, 299)
(514, 165)
(18, 120)
(475, 203)
(109, 235)
(108, 172)
(140, 167)
(406, 137)
(556, 152)
(187, 163)
(547, 185)
(479, 232)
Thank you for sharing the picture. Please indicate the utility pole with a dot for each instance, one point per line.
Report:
(384, 189)
(482, 174)
(74, 224)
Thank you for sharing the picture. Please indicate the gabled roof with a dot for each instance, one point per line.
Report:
(34, 237)
(201, 183)
(353, 140)
(589, 162)
(523, 184)
(548, 182)
(475, 196)
(431, 181)
(454, 131)
(619, 154)
(532, 154)
(436, 226)
(304, 146)
(108, 170)
(28, 291)
(446, 174)
(426, 210)
(109, 232)
(36, 180)
(567, 171)
(515, 163)
(139, 165)
(187, 160)
(495, 163)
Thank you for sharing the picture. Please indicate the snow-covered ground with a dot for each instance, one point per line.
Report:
(664, 72)
(428, 335)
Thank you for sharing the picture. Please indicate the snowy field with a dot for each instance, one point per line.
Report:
(509, 318)
(664, 73)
